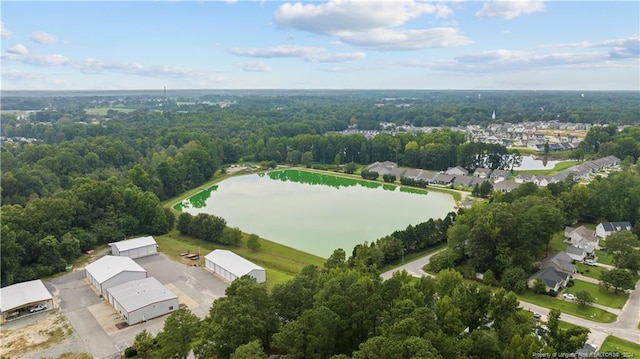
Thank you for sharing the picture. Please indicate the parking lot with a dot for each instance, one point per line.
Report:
(95, 321)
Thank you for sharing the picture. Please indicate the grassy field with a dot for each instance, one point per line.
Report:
(560, 166)
(601, 297)
(590, 271)
(604, 257)
(590, 313)
(281, 262)
(102, 111)
(625, 347)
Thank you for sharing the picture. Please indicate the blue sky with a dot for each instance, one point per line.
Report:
(336, 44)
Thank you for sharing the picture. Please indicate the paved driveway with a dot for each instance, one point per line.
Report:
(195, 287)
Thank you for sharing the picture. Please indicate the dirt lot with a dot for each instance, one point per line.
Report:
(36, 334)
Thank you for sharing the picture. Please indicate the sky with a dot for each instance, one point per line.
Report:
(335, 44)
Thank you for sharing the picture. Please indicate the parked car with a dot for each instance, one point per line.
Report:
(569, 296)
(537, 316)
(590, 262)
(38, 308)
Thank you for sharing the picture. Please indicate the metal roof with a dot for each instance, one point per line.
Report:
(109, 266)
(232, 262)
(140, 293)
(128, 244)
(21, 294)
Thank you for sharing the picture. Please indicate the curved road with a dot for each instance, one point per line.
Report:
(626, 327)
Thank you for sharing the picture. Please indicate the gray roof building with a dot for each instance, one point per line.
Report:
(142, 299)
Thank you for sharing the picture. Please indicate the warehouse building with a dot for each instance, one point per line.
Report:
(135, 248)
(110, 271)
(141, 300)
(24, 298)
(231, 266)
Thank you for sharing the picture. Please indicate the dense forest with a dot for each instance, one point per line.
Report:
(85, 184)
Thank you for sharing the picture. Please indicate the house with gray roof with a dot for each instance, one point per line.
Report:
(464, 181)
(426, 175)
(457, 171)
(575, 236)
(505, 186)
(482, 172)
(500, 175)
(605, 229)
(443, 179)
(525, 178)
(576, 253)
(552, 278)
(561, 262)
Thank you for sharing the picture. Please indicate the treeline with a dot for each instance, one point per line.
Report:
(340, 313)
(209, 228)
(609, 140)
(42, 236)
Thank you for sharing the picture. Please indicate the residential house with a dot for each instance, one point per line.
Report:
(464, 181)
(383, 168)
(581, 236)
(576, 253)
(552, 278)
(605, 229)
(427, 176)
(525, 178)
(482, 172)
(560, 262)
(505, 187)
(456, 171)
(443, 179)
(542, 181)
(500, 175)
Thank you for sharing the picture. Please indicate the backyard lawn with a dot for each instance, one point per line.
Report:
(625, 347)
(590, 313)
(600, 297)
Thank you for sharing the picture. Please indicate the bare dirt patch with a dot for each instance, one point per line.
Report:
(50, 328)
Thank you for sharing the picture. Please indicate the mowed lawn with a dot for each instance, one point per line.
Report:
(601, 297)
(281, 262)
(590, 313)
(591, 271)
(625, 347)
(604, 257)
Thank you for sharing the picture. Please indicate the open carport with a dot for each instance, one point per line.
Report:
(24, 298)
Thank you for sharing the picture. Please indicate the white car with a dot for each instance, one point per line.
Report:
(569, 296)
(38, 308)
(590, 262)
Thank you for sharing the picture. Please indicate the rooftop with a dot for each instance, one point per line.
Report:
(109, 266)
(128, 244)
(21, 294)
(232, 262)
(140, 293)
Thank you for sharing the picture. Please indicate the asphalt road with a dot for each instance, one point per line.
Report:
(626, 326)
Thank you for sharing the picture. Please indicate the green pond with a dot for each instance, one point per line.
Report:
(316, 213)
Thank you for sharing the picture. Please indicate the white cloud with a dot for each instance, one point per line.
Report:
(618, 48)
(256, 66)
(337, 57)
(347, 15)
(18, 49)
(372, 24)
(509, 9)
(52, 59)
(44, 38)
(387, 39)
(276, 51)
(4, 32)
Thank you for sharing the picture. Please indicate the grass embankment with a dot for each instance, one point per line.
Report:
(457, 196)
(560, 166)
(601, 297)
(625, 347)
(281, 262)
(589, 313)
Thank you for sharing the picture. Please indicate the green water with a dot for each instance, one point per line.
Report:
(315, 212)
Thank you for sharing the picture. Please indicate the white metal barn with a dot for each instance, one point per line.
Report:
(135, 248)
(231, 266)
(24, 298)
(141, 300)
(110, 271)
